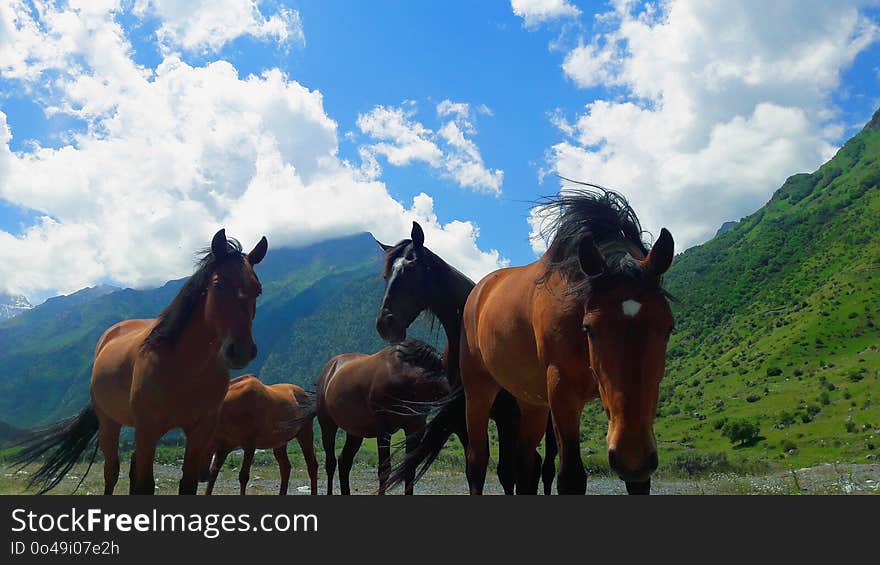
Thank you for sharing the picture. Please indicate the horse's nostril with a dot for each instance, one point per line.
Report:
(612, 458)
(230, 351)
(253, 351)
(654, 462)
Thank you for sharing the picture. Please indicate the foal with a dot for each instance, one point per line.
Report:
(256, 416)
(367, 396)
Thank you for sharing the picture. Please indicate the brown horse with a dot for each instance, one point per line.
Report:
(369, 396)
(588, 319)
(160, 374)
(256, 416)
(416, 279)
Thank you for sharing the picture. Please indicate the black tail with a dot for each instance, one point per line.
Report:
(448, 420)
(62, 444)
(308, 410)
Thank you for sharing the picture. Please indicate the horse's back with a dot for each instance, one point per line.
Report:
(344, 392)
(115, 355)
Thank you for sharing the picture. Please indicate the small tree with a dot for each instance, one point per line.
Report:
(741, 431)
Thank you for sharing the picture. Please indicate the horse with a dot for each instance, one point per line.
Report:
(588, 319)
(369, 396)
(416, 279)
(256, 416)
(159, 374)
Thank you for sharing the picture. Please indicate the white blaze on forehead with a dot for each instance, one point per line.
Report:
(631, 307)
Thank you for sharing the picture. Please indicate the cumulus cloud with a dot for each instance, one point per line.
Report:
(714, 104)
(171, 153)
(536, 12)
(401, 139)
(207, 25)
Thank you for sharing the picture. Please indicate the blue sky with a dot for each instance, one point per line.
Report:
(629, 97)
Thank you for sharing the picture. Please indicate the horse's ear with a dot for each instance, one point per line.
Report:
(259, 251)
(219, 245)
(382, 245)
(591, 259)
(660, 257)
(417, 236)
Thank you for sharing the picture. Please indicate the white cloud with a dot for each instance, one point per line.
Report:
(401, 139)
(207, 25)
(715, 104)
(172, 153)
(536, 12)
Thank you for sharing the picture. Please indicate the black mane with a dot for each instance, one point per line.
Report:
(176, 315)
(607, 217)
(417, 353)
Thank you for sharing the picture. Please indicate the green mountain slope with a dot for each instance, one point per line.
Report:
(317, 301)
(777, 321)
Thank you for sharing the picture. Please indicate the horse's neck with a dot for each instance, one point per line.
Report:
(448, 307)
(199, 344)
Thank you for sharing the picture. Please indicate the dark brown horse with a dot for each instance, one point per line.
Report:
(416, 279)
(370, 396)
(588, 319)
(160, 374)
(257, 416)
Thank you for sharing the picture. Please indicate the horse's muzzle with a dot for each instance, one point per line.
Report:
(237, 356)
(638, 473)
(389, 327)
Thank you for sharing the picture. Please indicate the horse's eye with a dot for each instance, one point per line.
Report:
(588, 332)
(218, 284)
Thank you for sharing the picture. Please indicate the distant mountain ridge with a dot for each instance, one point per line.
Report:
(317, 301)
(12, 305)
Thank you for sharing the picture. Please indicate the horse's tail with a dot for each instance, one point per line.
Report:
(306, 410)
(62, 444)
(448, 419)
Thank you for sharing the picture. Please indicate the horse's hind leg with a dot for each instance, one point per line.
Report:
(328, 439)
(306, 439)
(108, 441)
(532, 426)
(383, 446)
(216, 464)
(548, 470)
(244, 475)
(283, 466)
(346, 460)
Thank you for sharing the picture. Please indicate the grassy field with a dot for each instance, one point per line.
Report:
(711, 473)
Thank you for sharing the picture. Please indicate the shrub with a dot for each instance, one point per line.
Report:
(741, 431)
(693, 463)
(773, 371)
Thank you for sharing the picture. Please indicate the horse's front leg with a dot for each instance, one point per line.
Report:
(566, 407)
(141, 475)
(383, 446)
(199, 438)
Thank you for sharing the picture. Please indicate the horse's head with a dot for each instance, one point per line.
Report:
(231, 299)
(627, 322)
(408, 286)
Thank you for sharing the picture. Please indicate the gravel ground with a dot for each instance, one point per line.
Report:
(822, 479)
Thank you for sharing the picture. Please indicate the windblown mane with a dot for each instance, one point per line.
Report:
(176, 315)
(604, 215)
(417, 353)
